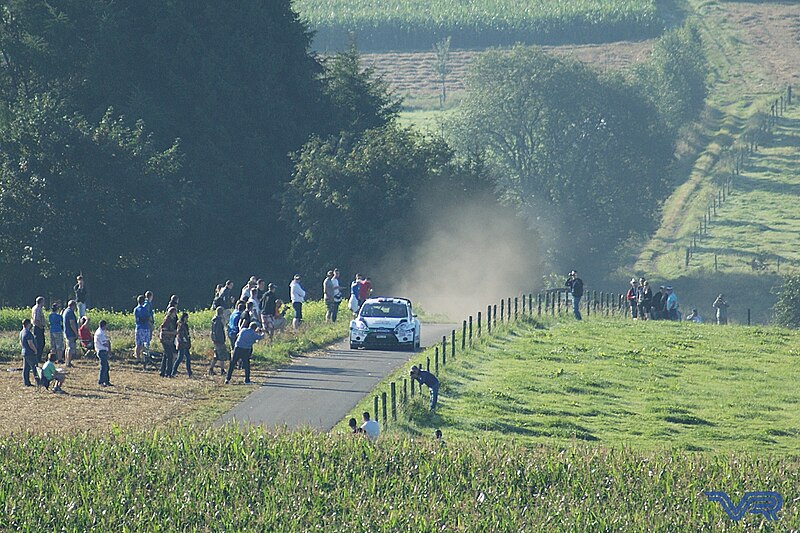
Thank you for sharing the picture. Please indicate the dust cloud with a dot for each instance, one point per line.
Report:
(471, 255)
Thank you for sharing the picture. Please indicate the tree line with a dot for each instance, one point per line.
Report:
(177, 144)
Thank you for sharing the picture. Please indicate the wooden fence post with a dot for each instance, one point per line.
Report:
(428, 364)
(479, 325)
(539, 305)
(375, 407)
(463, 335)
(393, 391)
(405, 390)
(494, 315)
(489, 320)
(530, 304)
(558, 295)
(444, 350)
(470, 331)
(509, 309)
(516, 309)
(502, 309)
(436, 360)
(748, 316)
(453, 344)
(383, 407)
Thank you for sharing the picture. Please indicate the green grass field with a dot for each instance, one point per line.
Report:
(612, 382)
(228, 480)
(417, 24)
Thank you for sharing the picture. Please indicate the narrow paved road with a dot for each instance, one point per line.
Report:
(319, 391)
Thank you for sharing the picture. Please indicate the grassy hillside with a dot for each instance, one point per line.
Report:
(417, 24)
(227, 480)
(645, 385)
(754, 53)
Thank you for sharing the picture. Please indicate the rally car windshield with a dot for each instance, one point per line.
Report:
(384, 310)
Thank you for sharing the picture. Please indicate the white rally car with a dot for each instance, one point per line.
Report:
(386, 323)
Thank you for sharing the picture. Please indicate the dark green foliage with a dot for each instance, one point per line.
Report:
(585, 154)
(353, 199)
(674, 77)
(97, 198)
(787, 308)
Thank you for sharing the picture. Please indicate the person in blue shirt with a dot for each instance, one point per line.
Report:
(56, 332)
(142, 316)
(234, 324)
(426, 378)
(243, 349)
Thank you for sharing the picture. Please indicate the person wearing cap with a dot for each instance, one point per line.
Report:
(721, 305)
(672, 305)
(426, 378)
(298, 295)
(575, 286)
(631, 296)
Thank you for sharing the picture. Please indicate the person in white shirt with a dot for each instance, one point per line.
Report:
(298, 297)
(337, 294)
(102, 345)
(370, 427)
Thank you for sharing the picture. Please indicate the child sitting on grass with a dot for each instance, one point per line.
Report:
(50, 374)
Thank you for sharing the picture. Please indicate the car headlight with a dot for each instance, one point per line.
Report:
(358, 325)
(404, 328)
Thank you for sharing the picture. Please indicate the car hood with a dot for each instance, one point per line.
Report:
(381, 322)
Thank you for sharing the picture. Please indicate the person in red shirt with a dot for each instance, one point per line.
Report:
(85, 334)
(364, 291)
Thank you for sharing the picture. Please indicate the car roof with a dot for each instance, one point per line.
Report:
(389, 299)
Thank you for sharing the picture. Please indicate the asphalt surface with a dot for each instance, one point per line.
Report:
(320, 390)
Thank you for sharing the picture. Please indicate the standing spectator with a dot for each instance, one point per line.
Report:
(721, 305)
(364, 291)
(234, 324)
(248, 288)
(184, 346)
(337, 294)
(37, 318)
(70, 330)
(575, 286)
(80, 295)
(426, 378)
(243, 350)
(655, 304)
(174, 301)
(142, 334)
(645, 299)
(355, 290)
(662, 310)
(228, 300)
(56, 332)
(298, 295)
(672, 305)
(50, 373)
(254, 306)
(103, 346)
(328, 294)
(631, 296)
(217, 300)
(268, 305)
(169, 330)
(370, 427)
(260, 290)
(148, 304)
(30, 359)
(221, 353)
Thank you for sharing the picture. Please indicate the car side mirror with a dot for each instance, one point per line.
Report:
(414, 315)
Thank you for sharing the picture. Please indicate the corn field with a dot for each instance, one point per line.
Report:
(417, 24)
(228, 479)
